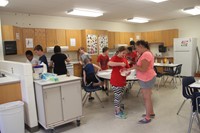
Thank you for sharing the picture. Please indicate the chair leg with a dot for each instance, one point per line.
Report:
(99, 99)
(191, 121)
(181, 106)
(85, 99)
(84, 96)
(198, 119)
(138, 92)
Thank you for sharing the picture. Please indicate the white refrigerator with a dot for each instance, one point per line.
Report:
(185, 54)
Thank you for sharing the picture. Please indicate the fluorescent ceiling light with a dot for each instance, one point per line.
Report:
(85, 12)
(192, 10)
(3, 3)
(138, 20)
(158, 1)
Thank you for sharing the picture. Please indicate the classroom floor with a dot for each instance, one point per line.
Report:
(166, 100)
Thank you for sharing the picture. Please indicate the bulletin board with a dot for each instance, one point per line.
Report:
(102, 42)
(92, 44)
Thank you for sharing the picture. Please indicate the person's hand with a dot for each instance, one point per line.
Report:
(123, 64)
(134, 66)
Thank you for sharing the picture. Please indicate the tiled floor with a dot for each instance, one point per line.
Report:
(166, 103)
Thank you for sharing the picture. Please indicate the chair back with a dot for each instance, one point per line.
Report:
(196, 102)
(91, 88)
(178, 69)
(186, 90)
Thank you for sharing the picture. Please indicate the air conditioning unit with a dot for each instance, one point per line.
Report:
(63, 49)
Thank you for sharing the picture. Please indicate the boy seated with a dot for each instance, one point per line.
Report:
(89, 76)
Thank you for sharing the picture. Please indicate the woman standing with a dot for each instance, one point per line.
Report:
(147, 77)
(58, 61)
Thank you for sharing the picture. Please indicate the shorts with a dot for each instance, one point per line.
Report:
(147, 84)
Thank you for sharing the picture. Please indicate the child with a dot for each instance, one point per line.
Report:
(103, 63)
(30, 58)
(117, 81)
(131, 56)
(42, 58)
(89, 76)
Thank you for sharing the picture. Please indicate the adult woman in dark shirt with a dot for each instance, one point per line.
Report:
(58, 61)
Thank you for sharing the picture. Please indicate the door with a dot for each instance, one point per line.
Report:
(53, 105)
(72, 103)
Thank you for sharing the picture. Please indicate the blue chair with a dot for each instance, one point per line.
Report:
(91, 89)
(195, 110)
(187, 92)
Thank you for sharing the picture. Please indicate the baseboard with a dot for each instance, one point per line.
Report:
(32, 129)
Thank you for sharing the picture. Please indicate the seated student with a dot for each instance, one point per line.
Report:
(89, 76)
(30, 58)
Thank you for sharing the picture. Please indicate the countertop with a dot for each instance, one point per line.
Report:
(8, 79)
(161, 57)
(61, 79)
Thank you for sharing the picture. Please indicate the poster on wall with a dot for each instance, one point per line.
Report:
(29, 42)
(92, 46)
(103, 42)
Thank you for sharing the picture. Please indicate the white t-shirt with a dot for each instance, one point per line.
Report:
(34, 61)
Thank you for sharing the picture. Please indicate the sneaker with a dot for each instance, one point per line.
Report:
(91, 98)
(144, 121)
(151, 115)
(120, 115)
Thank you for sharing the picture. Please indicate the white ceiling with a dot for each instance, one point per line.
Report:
(114, 10)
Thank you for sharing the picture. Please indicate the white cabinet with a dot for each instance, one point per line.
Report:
(59, 102)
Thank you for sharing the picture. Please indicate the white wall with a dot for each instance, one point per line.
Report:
(1, 44)
(188, 27)
(24, 72)
(40, 21)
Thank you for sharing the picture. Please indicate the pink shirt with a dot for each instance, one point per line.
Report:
(150, 73)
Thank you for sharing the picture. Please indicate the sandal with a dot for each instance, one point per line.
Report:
(144, 121)
(151, 115)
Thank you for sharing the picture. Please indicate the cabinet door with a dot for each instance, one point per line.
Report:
(40, 38)
(53, 105)
(111, 40)
(7, 33)
(71, 96)
(51, 37)
(28, 33)
(73, 34)
(60, 37)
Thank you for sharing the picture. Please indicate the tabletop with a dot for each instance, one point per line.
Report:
(106, 74)
(165, 65)
(195, 84)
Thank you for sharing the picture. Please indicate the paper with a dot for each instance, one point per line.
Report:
(72, 42)
(29, 42)
(17, 36)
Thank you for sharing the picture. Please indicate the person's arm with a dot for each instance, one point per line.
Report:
(68, 59)
(111, 63)
(80, 61)
(97, 67)
(144, 66)
(84, 77)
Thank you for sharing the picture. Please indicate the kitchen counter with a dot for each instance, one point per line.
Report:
(61, 79)
(8, 79)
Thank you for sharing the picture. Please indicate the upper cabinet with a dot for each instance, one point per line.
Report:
(55, 37)
(111, 40)
(28, 35)
(40, 38)
(122, 37)
(73, 39)
(168, 36)
(11, 33)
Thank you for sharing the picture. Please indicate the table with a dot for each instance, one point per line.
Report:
(106, 74)
(172, 71)
(195, 84)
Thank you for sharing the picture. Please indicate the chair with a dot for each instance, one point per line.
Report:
(187, 92)
(158, 75)
(195, 110)
(91, 89)
(174, 73)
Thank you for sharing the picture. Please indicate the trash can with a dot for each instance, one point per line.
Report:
(12, 117)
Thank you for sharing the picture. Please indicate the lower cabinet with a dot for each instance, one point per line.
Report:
(58, 103)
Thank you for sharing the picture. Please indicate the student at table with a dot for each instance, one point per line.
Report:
(103, 63)
(118, 82)
(30, 58)
(147, 77)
